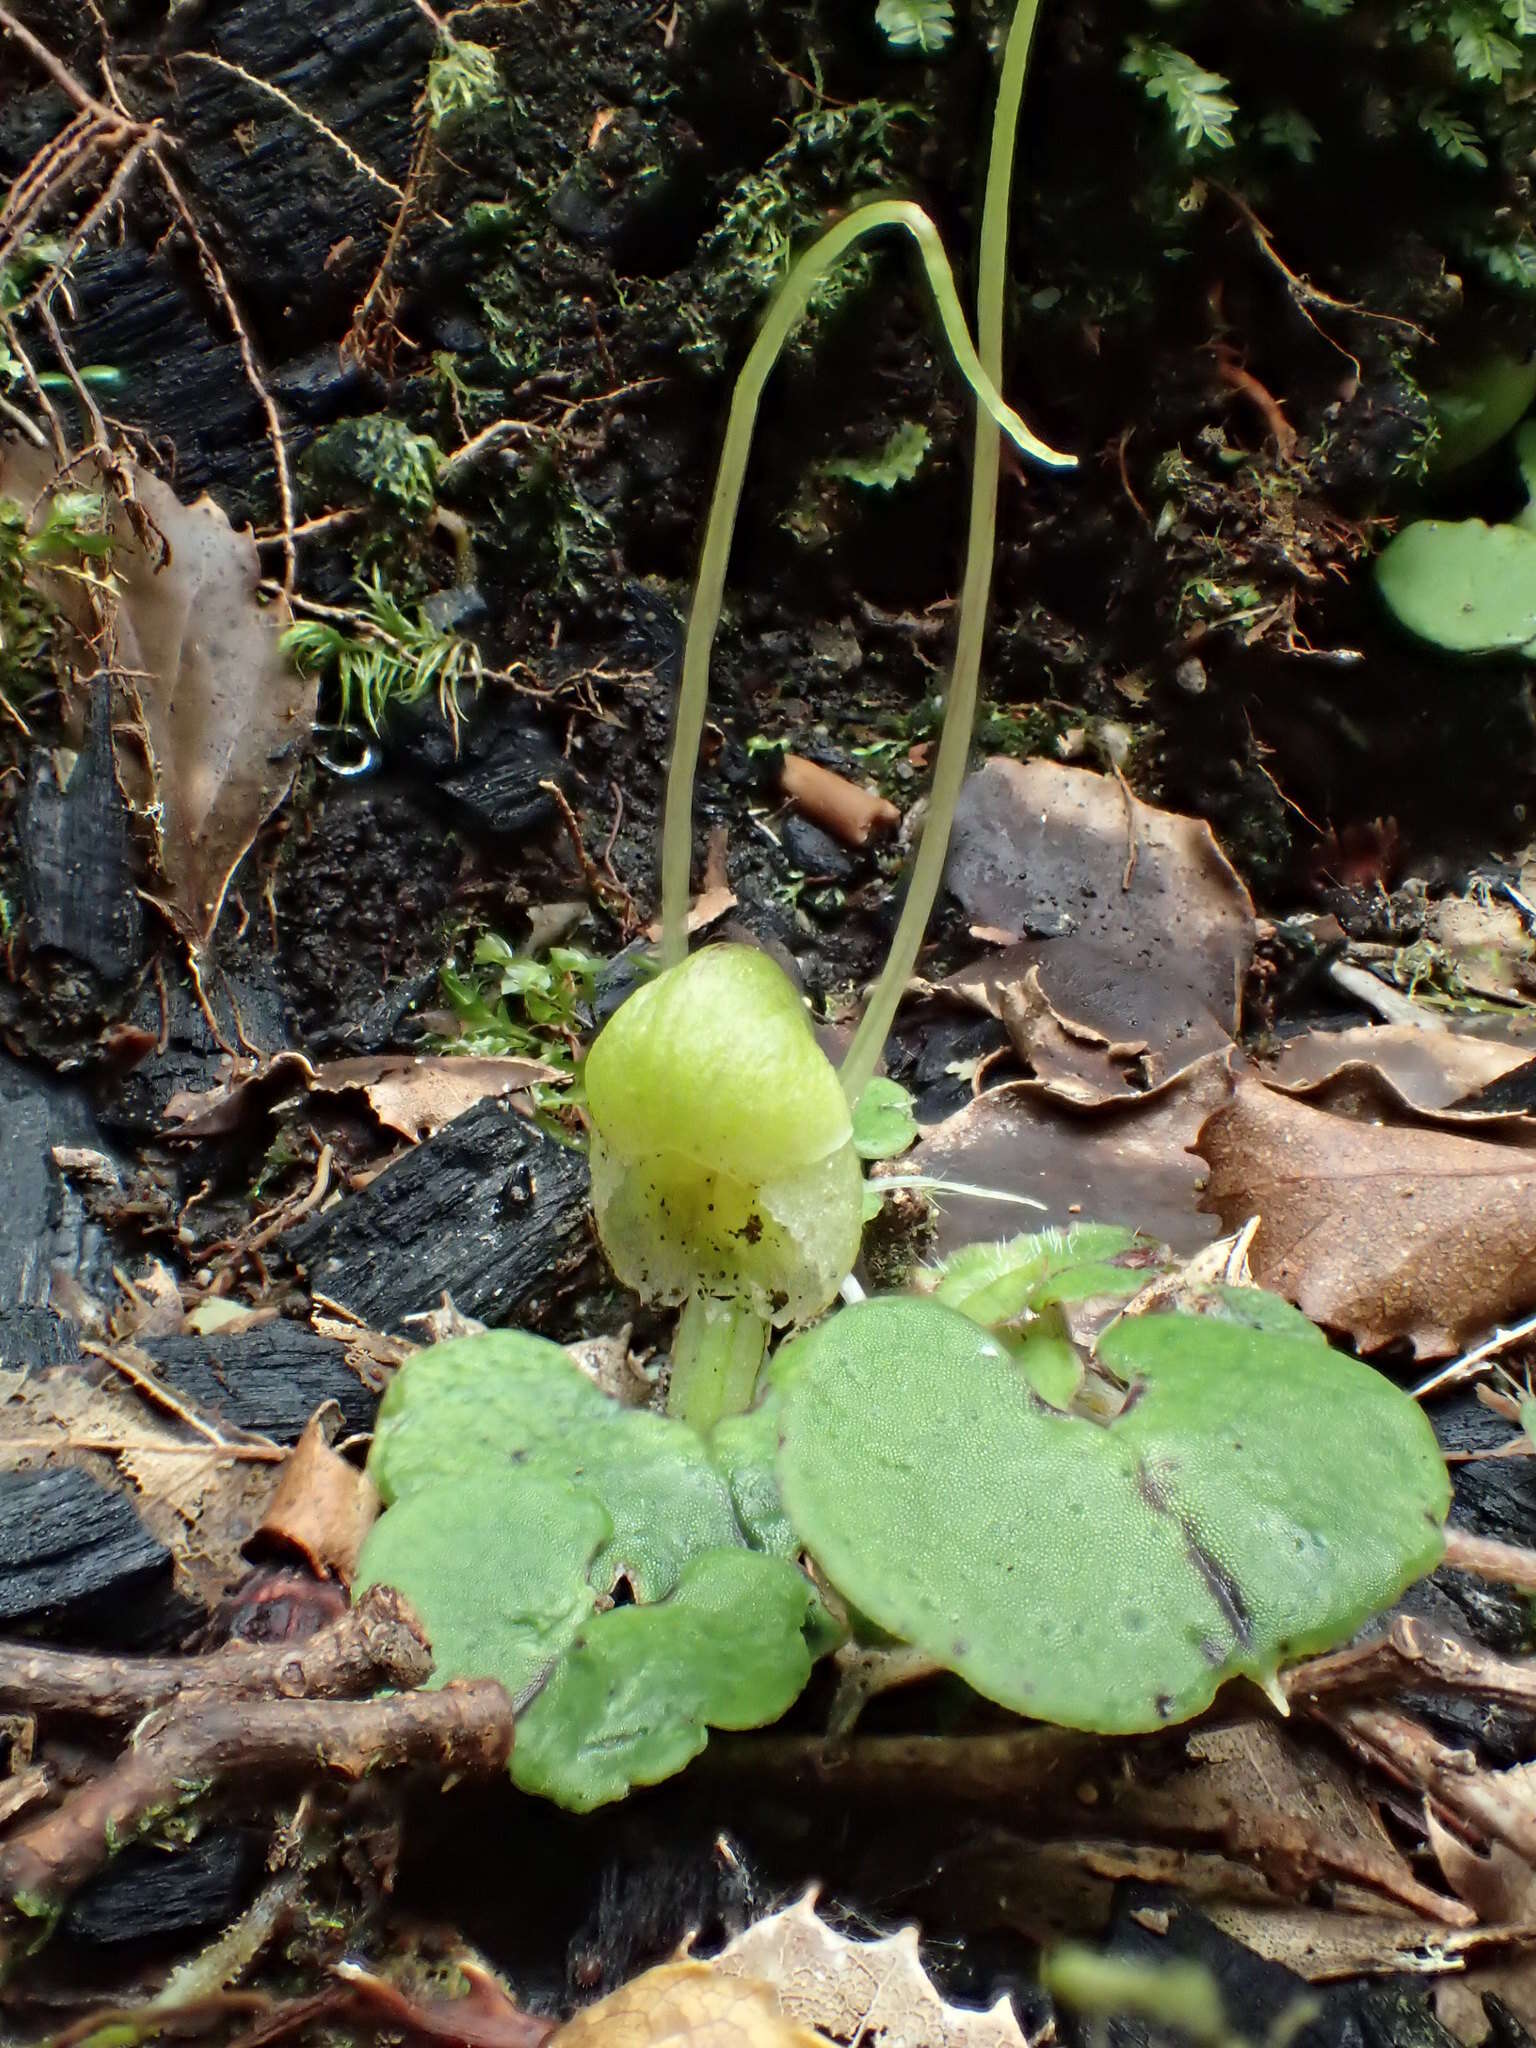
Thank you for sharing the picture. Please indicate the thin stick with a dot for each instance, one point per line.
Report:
(359, 164)
(1504, 1564)
(1469, 1362)
(219, 285)
(154, 1392)
(376, 1643)
(466, 1729)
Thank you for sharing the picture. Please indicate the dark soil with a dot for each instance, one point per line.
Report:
(588, 258)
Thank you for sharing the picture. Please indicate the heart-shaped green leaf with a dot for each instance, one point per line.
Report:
(519, 1495)
(1257, 1496)
(1463, 585)
(635, 1697)
(517, 1405)
(995, 1283)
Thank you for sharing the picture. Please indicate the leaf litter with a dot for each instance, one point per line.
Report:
(216, 716)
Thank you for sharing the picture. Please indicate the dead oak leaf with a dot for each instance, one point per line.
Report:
(1382, 1230)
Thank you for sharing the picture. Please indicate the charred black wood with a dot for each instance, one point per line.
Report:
(270, 1379)
(43, 1224)
(79, 861)
(75, 1556)
(147, 1895)
(489, 1211)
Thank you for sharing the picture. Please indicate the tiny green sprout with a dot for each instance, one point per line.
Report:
(724, 1172)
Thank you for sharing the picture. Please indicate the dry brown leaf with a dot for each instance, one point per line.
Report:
(1043, 851)
(1090, 1027)
(1500, 1887)
(222, 715)
(412, 1094)
(1325, 1946)
(1286, 1803)
(322, 1508)
(1427, 1069)
(1384, 1231)
(1125, 1162)
(199, 1499)
(857, 1991)
(685, 2003)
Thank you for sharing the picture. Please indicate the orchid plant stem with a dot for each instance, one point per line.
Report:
(716, 1354)
(704, 618)
(976, 585)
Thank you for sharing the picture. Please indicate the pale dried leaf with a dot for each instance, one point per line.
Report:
(1326, 1946)
(1385, 1231)
(1458, 2001)
(414, 1094)
(1044, 851)
(857, 1991)
(685, 2005)
(199, 1500)
(1501, 1886)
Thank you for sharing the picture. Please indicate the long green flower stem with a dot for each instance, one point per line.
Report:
(976, 585)
(704, 617)
(716, 1354)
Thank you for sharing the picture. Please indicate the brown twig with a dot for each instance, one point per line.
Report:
(1412, 1653)
(608, 889)
(218, 284)
(1506, 1564)
(845, 809)
(377, 1643)
(179, 1758)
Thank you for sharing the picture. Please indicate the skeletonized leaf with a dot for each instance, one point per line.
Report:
(875, 1991)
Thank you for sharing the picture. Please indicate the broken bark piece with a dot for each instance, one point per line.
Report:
(80, 866)
(848, 812)
(489, 1210)
(35, 1339)
(71, 1549)
(269, 1379)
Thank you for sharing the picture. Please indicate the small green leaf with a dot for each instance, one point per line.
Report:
(924, 25)
(498, 1572)
(1195, 98)
(1462, 585)
(1256, 1498)
(996, 1283)
(519, 1495)
(883, 1123)
(896, 463)
(516, 1406)
(633, 1700)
